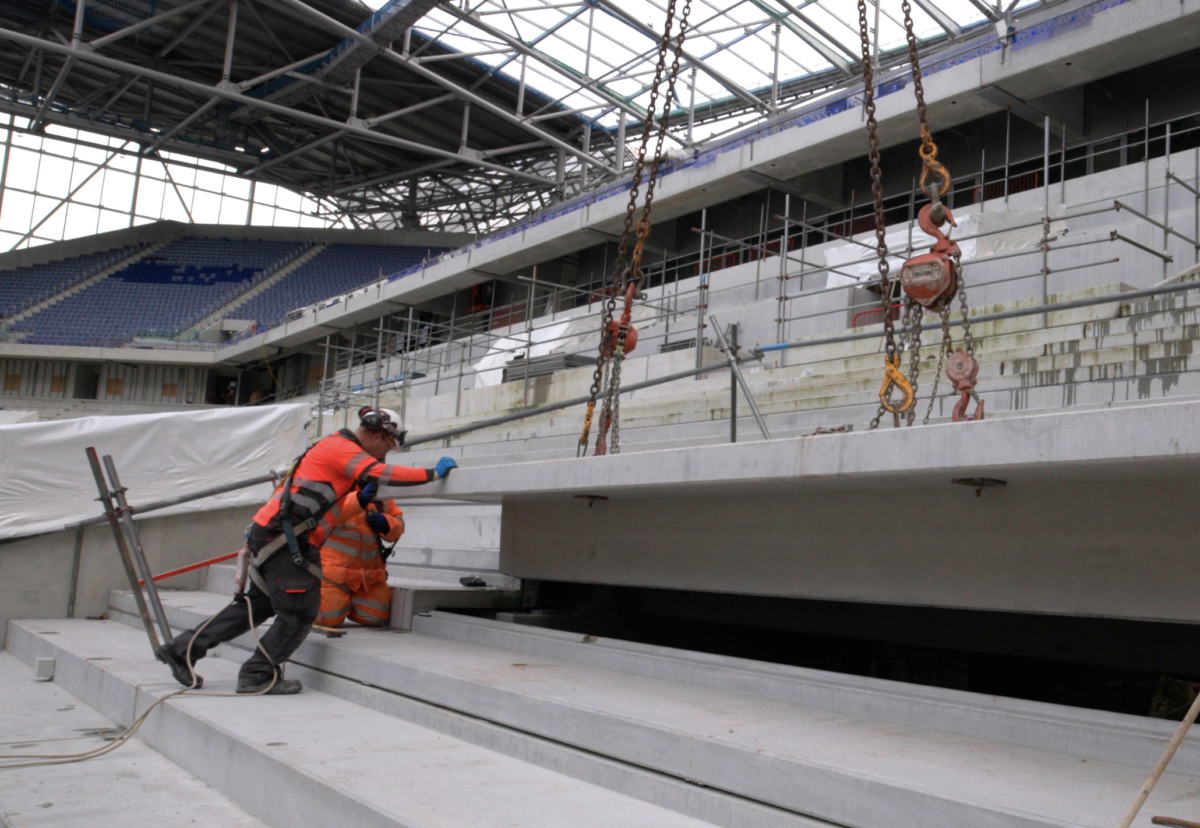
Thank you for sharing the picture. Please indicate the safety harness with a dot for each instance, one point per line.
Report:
(290, 532)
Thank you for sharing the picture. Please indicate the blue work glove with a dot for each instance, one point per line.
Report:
(378, 523)
(444, 466)
(367, 494)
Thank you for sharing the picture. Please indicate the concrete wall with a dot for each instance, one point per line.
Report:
(35, 572)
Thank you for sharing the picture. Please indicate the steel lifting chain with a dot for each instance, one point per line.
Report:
(928, 150)
(892, 378)
(625, 275)
(961, 366)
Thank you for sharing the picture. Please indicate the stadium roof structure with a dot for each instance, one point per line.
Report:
(455, 116)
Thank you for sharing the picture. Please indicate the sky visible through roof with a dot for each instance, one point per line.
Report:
(736, 38)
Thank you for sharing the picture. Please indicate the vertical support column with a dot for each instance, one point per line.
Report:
(982, 180)
(349, 378)
(775, 72)
(521, 88)
(250, 202)
(587, 58)
(230, 37)
(621, 143)
(77, 32)
(1166, 199)
(1146, 160)
(701, 291)
(466, 125)
(691, 104)
(321, 391)
(354, 96)
(1007, 142)
(137, 184)
(781, 312)
(560, 173)
(529, 336)
(406, 362)
(733, 385)
(587, 150)
(378, 360)
(1046, 218)
(127, 562)
(4, 163)
(1062, 165)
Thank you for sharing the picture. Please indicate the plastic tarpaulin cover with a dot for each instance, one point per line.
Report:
(46, 482)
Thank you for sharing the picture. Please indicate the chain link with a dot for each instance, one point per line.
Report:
(619, 277)
(885, 282)
(929, 150)
(914, 361)
(610, 414)
(944, 350)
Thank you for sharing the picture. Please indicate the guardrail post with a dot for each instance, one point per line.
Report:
(135, 545)
(106, 501)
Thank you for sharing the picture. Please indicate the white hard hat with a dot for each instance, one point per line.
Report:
(383, 420)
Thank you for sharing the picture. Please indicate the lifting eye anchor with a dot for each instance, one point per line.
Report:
(892, 378)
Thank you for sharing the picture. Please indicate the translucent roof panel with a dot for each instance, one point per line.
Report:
(593, 57)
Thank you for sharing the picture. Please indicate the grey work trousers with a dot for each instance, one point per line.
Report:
(293, 597)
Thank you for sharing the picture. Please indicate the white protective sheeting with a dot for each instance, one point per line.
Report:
(46, 482)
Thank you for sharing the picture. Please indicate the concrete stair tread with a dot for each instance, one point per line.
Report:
(133, 787)
(829, 765)
(340, 763)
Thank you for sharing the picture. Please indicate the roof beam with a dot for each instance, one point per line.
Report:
(459, 91)
(101, 42)
(231, 95)
(940, 17)
(615, 10)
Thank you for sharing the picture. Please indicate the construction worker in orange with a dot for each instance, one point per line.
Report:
(355, 556)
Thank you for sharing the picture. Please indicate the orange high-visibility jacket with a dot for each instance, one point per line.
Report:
(351, 553)
(330, 469)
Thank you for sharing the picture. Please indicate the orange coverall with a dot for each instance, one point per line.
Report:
(350, 556)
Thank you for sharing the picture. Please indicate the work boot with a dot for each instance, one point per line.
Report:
(282, 687)
(179, 666)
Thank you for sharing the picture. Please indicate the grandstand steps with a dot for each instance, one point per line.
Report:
(148, 250)
(1103, 355)
(133, 787)
(217, 316)
(585, 728)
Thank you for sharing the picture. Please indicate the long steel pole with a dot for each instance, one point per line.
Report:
(732, 360)
(122, 549)
(135, 546)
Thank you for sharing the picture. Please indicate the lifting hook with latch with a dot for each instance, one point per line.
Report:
(892, 378)
(962, 369)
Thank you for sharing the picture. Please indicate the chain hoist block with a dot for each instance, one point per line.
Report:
(614, 336)
(961, 369)
(932, 278)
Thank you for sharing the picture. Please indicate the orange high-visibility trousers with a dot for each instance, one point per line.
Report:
(369, 605)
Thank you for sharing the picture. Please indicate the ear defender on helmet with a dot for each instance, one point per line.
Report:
(382, 421)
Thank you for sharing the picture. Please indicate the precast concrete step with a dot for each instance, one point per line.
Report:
(132, 787)
(451, 575)
(314, 760)
(453, 526)
(1088, 734)
(645, 784)
(440, 556)
(729, 731)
